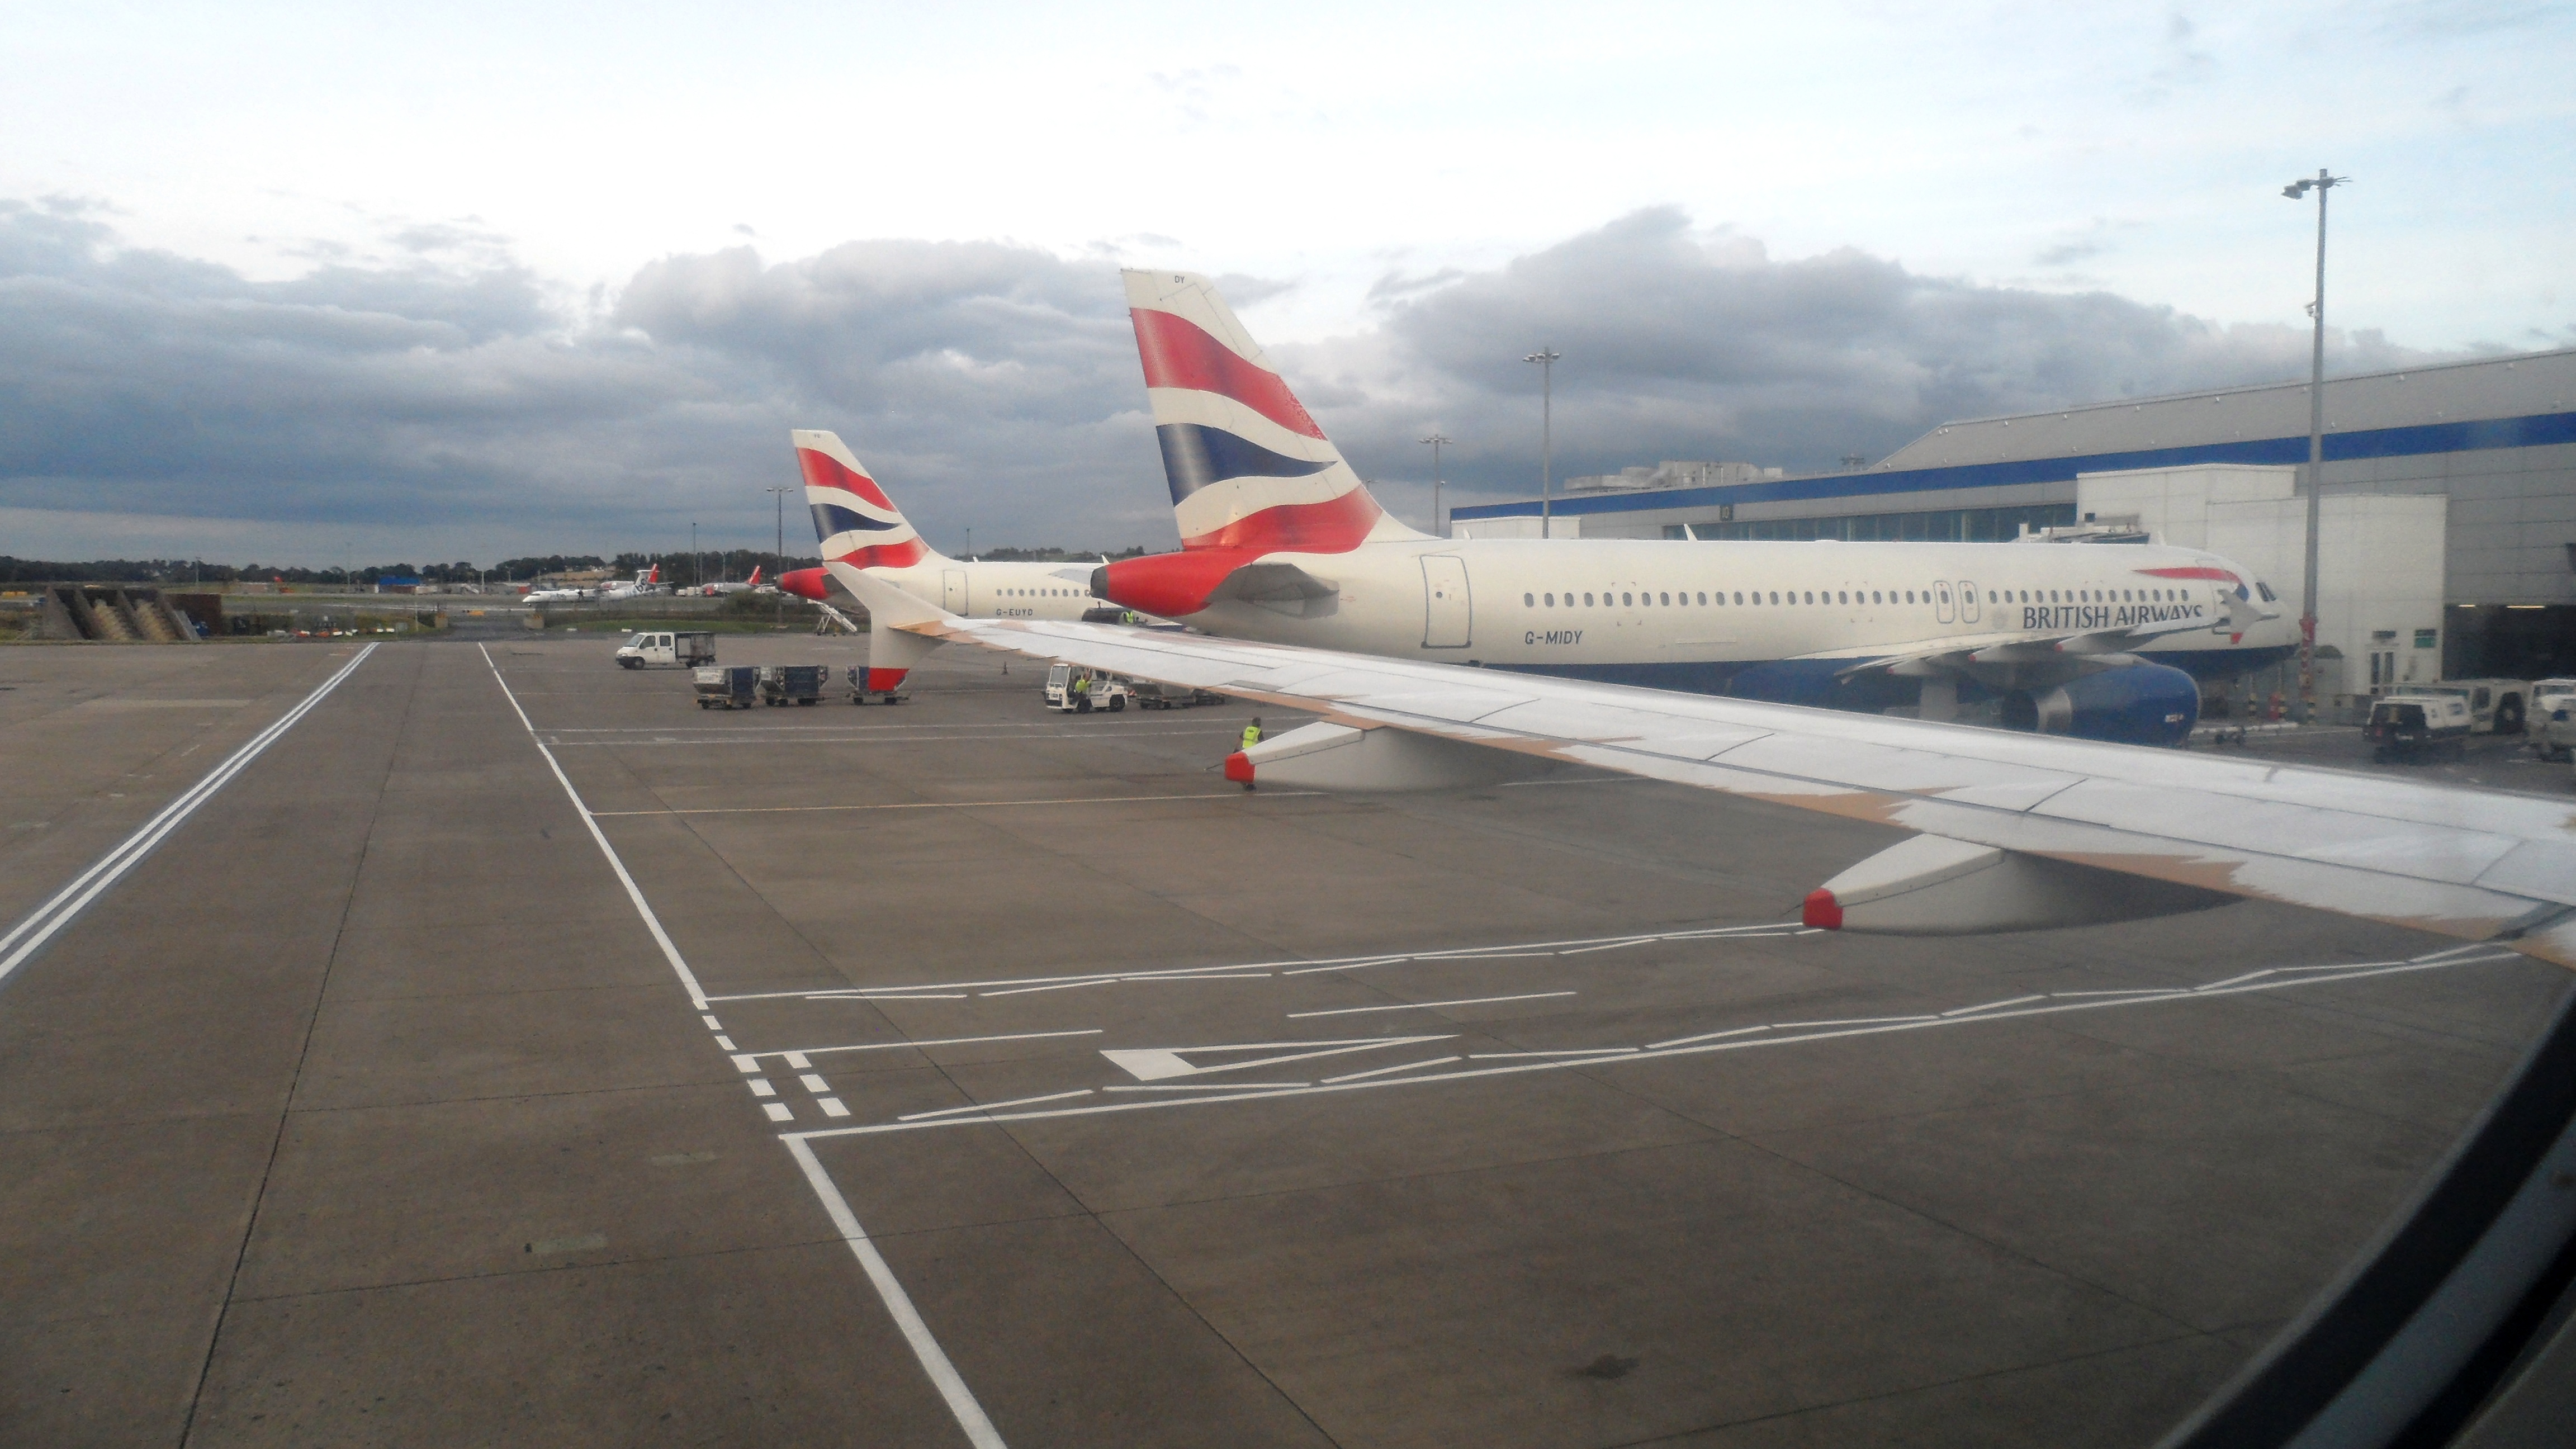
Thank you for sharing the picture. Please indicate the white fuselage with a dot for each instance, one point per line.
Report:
(1575, 606)
(973, 590)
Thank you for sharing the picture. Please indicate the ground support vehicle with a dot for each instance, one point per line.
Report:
(791, 683)
(2496, 706)
(2408, 726)
(2553, 718)
(1153, 695)
(1081, 692)
(861, 694)
(687, 649)
(733, 688)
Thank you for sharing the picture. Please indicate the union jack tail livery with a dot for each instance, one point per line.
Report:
(1249, 468)
(855, 521)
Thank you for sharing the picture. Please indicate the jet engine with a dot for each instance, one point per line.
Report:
(2143, 704)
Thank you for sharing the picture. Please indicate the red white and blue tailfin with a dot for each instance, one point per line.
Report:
(860, 528)
(853, 519)
(1249, 469)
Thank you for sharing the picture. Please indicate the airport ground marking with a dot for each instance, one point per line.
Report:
(1227, 1086)
(42, 924)
(996, 1106)
(957, 804)
(934, 1360)
(766, 737)
(1391, 1071)
(944, 1377)
(1293, 966)
(887, 1046)
(590, 822)
(1428, 1005)
(1738, 1039)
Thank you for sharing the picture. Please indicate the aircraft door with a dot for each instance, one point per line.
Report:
(1945, 608)
(952, 591)
(1447, 612)
(1968, 600)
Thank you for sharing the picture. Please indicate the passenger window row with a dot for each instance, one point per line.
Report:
(1652, 598)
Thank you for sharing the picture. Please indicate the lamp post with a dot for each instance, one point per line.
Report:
(2320, 183)
(697, 570)
(1436, 440)
(779, 494)
(1546, 358)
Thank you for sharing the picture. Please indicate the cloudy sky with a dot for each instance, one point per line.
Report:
(465, 281)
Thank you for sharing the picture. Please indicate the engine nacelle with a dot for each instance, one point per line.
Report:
(1327, 756)
(2143, 704)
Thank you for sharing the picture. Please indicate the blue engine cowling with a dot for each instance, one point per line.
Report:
(2143, 704)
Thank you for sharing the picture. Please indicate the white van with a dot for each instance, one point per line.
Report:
(2496, 706)
(687, 650)
(2553, 718)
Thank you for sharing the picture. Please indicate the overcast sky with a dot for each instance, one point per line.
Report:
(463, 281)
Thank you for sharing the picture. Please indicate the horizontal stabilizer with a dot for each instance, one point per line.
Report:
(1931, 885)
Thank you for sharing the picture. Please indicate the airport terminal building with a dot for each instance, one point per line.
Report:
(2449, 541)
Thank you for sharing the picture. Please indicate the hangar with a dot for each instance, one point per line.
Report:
(2490, 567)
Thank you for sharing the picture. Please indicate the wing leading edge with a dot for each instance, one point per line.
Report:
(2478, 865)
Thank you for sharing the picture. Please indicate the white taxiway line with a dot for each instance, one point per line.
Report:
(1739, 1039)
(961, 1402)
(1303, 967)
(956, 804)
(1427, 1005)
(934, 1359)
(46, 921)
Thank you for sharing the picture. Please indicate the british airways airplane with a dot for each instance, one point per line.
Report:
(1281, 542)
(858, 526)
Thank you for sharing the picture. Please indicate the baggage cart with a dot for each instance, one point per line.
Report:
(791, 683)
(861, 694)
(732, 688)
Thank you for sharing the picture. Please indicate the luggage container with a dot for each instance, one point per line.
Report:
(861, 694)
(732, 688)
(791, 683)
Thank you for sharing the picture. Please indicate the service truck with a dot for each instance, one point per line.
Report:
(2553, 718)
(1080, 691)
(2406, 726)
(690, 649)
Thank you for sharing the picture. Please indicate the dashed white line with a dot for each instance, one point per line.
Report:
(725, 1042)
(779, 1112)
(712, 1024)
(760, 1087)
(745, 1062)
(814, 1084)
(1428, 1005)
(832, 1107)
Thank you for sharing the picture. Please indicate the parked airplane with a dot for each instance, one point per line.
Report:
(558, 596)
(647, 581)
(860, 528)
(751, 585)
(1280, 541)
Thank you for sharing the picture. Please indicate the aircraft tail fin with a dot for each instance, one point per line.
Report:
(1249, 468)
(854, 520)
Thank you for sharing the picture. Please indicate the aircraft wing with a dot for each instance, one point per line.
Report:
(2021, 830)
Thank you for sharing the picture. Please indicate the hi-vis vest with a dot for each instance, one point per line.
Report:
(1251, 736)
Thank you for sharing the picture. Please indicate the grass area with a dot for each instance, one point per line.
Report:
(622, 627)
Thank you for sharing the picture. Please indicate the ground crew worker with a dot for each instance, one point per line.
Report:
(1082, 694)
(1252, 733)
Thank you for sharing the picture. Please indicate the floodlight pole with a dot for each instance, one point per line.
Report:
(1436, 440)
(1546, 357)
(2320, 183)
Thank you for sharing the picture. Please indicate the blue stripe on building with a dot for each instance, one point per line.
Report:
(2535, 431)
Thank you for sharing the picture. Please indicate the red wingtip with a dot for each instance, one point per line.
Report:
(1238, 768)
(1822, 911)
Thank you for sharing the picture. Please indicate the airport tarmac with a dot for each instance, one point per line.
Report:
(962, 1073)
